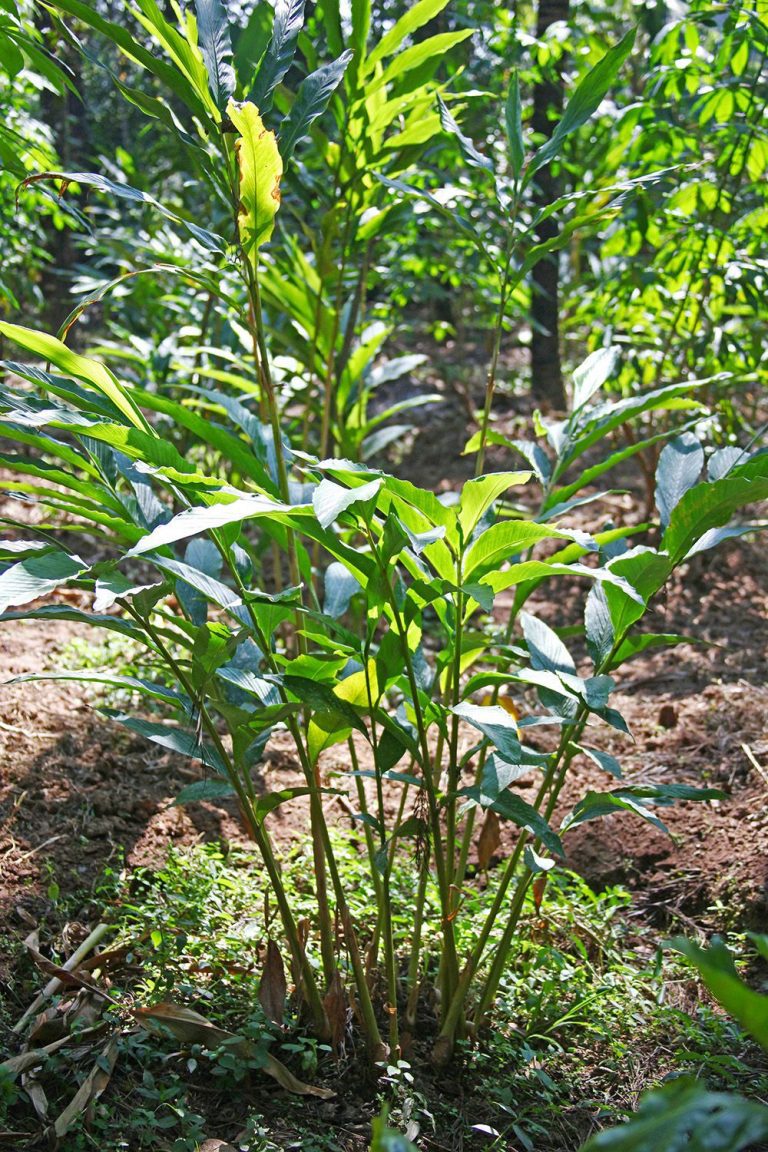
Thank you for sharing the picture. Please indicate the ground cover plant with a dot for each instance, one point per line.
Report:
(216, 505)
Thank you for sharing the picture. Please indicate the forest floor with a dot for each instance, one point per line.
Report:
(80, 799)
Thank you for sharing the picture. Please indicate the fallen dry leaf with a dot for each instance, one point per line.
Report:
(89, 1091)
(190, 1027)
(34, 1090)
(15, 1065)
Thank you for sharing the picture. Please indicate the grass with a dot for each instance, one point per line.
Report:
(590, 1014)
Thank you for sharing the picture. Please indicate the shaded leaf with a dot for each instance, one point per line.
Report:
(216, 47)
(311, 101)
(683, 1116)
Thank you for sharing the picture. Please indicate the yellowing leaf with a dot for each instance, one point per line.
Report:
(260, 169)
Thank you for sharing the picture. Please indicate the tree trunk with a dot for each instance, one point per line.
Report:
(546, 370)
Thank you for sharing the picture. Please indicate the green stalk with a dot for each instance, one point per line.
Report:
(443, 1047)
(449, 959)
(493, 979)
(257, 830)
(385, 908)
(490, 384)
(414, 961)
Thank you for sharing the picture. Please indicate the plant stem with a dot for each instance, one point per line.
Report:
(255, 827)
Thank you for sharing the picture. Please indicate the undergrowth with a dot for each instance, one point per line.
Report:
(591, 1012)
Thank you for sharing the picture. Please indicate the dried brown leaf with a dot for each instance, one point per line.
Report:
(190, 1027)
(48, 1026)
(15, 1065)
(67, 978)
(489, 839)
(37, 1096)
(89, 1091)
(273, 988)
(335, 1004)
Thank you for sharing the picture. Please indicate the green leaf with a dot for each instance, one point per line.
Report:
(78, 616)
(718, 971)
(91, 372)
(512, 807)
(679, 467)
(431, 50)
(119, 35)
(322, 699)
(478, 495)
(204, 790)
(684, 1116)
(708, 506)
(546, 649)
(584, 102)
(603, 760)
(635, 799)
(361, 26)
(174, 739)
(181, 46)
(340, 586)
(500, 728)
(474, 158)
(634, 645)
(37, 576)
(594, 424)
(114, 586)
(288, 23)
(590, 376)
(330, 499)
(513, 121)
(599, 626)
(208, 586)
(216, 47)
(645, 570)
(507, 539)
(193, 521)
(144, 687)
(416, 16)
(311, 101)
(260, 169)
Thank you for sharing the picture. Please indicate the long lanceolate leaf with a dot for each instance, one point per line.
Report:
(209, 240)
(414, 18)
(216, 47)
(311, 101)
(584, 102)
(194, 521)
(91, 372)
(118, 34)
(37, 576)
(470, 153)
(289, 20)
